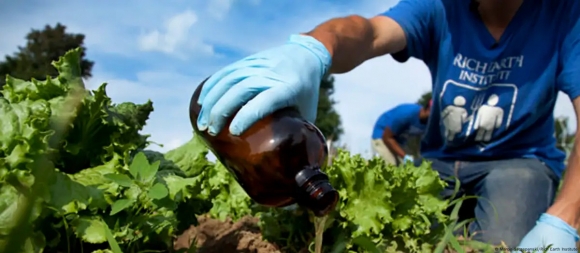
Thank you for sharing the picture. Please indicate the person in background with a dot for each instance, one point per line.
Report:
(395, 127)
(497, 67)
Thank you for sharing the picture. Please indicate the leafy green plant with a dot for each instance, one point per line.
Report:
(146, 202)
(227, 197)
(230, 199)
(382, 208)
(72, 178)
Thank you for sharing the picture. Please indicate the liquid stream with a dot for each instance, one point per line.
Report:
(319, 227)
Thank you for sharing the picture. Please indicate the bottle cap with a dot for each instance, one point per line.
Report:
(317, 193)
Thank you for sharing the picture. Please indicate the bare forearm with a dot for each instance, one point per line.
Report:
(567, 204)
(392, 144)
(354, 39)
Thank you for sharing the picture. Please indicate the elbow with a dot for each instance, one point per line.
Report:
(349, 25)
(387, 135)
(359, 20)
(349, 41)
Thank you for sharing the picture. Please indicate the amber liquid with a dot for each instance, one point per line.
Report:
(319, 227)
(266, 158)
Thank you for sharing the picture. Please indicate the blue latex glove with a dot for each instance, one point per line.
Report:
(408, 158)
(552, 230)
(288, 75)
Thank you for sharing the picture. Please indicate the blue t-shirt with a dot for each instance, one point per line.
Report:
(493, 100)
(402, 120)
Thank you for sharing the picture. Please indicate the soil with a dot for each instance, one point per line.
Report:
(242, 236)
(214, 236)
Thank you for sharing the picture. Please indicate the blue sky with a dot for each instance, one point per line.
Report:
(161, 50)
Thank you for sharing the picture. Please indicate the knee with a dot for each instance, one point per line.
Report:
(529, 181)
(445, 168)
(518, 192)
(526, 173)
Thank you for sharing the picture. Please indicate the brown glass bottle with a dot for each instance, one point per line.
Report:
(277, 161)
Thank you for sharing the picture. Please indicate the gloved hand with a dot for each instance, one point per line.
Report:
(288, 75)
(408, 158)
(552, 230)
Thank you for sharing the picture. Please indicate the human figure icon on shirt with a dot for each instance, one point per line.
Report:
(489, 117)
(453, 117)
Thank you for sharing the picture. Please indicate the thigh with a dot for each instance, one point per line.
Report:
(512, 196)
(380, 148)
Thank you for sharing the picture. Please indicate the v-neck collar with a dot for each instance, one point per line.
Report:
(520, 16)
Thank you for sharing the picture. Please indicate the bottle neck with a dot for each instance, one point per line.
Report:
(315, 191)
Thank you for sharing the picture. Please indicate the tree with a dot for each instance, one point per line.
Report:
(328, 119)
(424, 99)
(564, 138)
(42, 47)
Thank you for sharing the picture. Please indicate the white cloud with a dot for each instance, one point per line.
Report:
(219, 8)
(175, 36)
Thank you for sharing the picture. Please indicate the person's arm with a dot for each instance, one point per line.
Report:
(567, 203)
(355, 39)
(399, 119)
(390, 141)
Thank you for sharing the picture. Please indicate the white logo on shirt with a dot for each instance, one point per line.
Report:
(479, 111)
(479, 73)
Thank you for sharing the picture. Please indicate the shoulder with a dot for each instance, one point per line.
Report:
(565, 12)
(431, 11)
(561, 6)
(407, 109)
(411, 106)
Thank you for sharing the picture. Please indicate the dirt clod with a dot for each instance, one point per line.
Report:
(214, 236)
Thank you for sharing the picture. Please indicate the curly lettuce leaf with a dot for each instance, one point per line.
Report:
(103, 130)
(24, 132)
(100, 139)
(229, 199)
(216, 183)
(387, 202)
(381, 207)
(190, 157)
(16, 90)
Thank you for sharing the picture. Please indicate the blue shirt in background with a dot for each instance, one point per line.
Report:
(403, 121)
(493, 100)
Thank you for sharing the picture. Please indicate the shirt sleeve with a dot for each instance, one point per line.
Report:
(419, 20)
(569, 76)
(399, 121)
